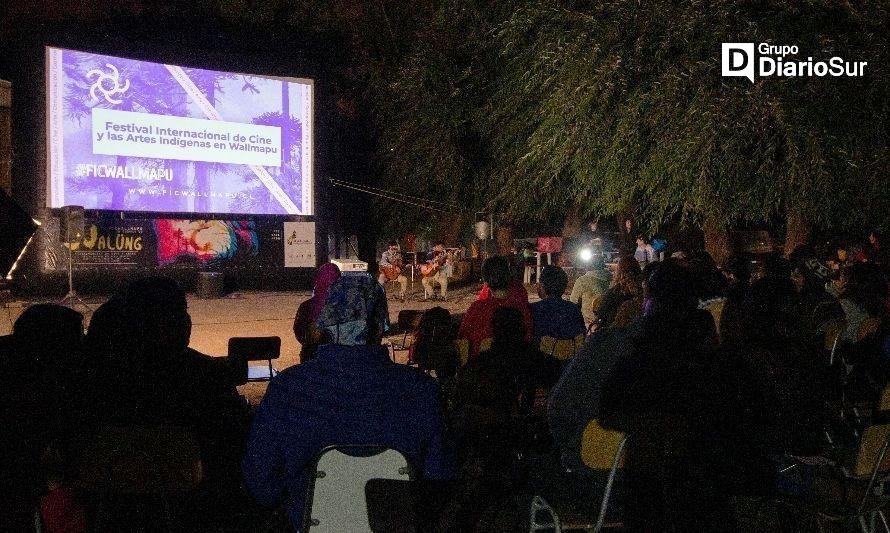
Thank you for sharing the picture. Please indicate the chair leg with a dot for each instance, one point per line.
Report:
(884, 521)
(539, 505)
(604, 506)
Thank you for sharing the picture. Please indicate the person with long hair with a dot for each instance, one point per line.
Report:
(307, 333)
(626, 285)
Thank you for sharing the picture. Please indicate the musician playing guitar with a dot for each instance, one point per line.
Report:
(391, 267)
(436, 270)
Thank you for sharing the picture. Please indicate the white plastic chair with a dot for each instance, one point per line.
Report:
(336, 499)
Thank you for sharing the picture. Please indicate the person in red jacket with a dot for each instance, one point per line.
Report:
(476, 324)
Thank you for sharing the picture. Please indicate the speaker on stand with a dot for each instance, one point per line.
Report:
(71, 228)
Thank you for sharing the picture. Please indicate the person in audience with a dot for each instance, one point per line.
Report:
(553, 316)
(669, 400)
(587, 288)
(433, 348)
(476, 324)
(516, 292)
(41, 417)
(494, 393)
(157, 379)
(737, 271)
(627, 242)
(874, 250)
(644, 252)
(307, 333)
(782, 386)
(863, 296)
(625, 286)
(815, 306)
(350, 393)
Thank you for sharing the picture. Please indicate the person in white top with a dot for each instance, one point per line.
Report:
(645, 253)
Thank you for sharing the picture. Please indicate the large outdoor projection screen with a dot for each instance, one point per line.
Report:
(130, 135)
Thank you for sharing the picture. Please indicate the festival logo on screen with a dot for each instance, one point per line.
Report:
(133, 135)
(205, 240)
(108, 84)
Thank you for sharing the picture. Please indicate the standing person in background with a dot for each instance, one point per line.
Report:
(307, 333)
(391, 265)
(644, 252)
(627, 241)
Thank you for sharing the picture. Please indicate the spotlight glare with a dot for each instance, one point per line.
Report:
(586, 254)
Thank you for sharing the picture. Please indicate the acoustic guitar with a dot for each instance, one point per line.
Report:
(432, 268)
(393, 271)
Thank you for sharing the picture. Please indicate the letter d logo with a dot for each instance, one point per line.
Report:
(738, 60)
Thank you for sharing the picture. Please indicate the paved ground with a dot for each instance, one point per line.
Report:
(248, 313)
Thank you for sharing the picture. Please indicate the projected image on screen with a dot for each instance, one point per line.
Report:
(132, 135)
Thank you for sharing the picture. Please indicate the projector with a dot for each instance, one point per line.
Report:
(351, 267)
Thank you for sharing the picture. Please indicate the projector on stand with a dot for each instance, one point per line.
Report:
(351, 267)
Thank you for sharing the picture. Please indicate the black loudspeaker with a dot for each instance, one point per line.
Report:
(16, 228)
(71, 223)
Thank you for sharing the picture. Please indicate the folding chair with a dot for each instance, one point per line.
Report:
(242, 350)
(405, 325)
(148, 462)
(869, 470)
(561, 349)
(336, 498)
(834, 330)
(601, 449)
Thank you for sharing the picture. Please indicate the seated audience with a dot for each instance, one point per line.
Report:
(493, 395)
(815, 305)
(476, 324)
(782, 383)
(625, 286)
(667, 396)
(553, 316)
(40, 417)
(738, 276)
(587, 288)
(433, 348)
(350, 393)
(863, 296)
(307, 333)
(157, 379)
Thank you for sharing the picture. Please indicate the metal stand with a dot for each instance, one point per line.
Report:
(72, 298)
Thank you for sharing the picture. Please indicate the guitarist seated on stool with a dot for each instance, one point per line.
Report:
(436, 270)
(391, 267)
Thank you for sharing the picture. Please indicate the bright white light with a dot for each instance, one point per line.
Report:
(586, 254)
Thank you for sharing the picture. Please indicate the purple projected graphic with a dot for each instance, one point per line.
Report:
(138, 136)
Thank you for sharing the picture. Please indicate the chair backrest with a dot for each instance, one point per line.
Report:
(409, 319)
(255, 348)
(884, 399)
(874, 439)
(834, 330)
(868, 327)
(561, 349)
(485, 344)
(336, 499)
(600, 446)
(716, 309)
(463, 350)
(142, 460)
